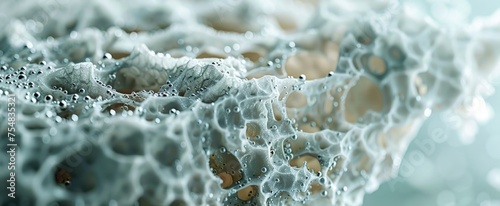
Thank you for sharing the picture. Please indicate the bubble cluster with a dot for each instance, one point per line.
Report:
(227, 102)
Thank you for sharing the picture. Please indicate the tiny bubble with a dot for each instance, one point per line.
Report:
(48, 97)
(222, 150)
(74, 117)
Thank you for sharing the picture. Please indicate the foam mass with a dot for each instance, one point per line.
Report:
(227, 102)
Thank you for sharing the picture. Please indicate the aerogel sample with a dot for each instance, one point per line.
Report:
(235, 102)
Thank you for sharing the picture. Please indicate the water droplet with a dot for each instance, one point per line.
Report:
(52, 131)
(107, 56)
(178, 166)
(427, 112)
(248, 34)
(236, 47)
(74, 117)
(222, 150)
(73, 34)
(302, 77)
(63, 104)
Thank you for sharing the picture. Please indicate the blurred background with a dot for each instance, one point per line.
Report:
(448, 172)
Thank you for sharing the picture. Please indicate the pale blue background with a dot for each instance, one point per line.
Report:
(454, 174)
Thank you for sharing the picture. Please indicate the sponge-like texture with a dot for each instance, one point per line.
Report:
(225, 102)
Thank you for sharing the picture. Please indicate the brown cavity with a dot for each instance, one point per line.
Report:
(312, 163)
(247, 193)
(362, 97)
(227, 167)
(377, 65)
(252, 56)
(253, 130)
(296, 100)
(63, 177)
(313, 64)
(207, 55)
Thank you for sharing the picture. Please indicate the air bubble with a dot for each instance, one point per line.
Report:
(74, 117)
(302, 77)
(173, 111)
(63, 104)
(428, 112)
(107, 56)
(249, 35)
(322, 180)
(48, 98)
(58, 119)
(222, 150)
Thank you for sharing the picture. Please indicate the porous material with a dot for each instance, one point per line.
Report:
(248, 102)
